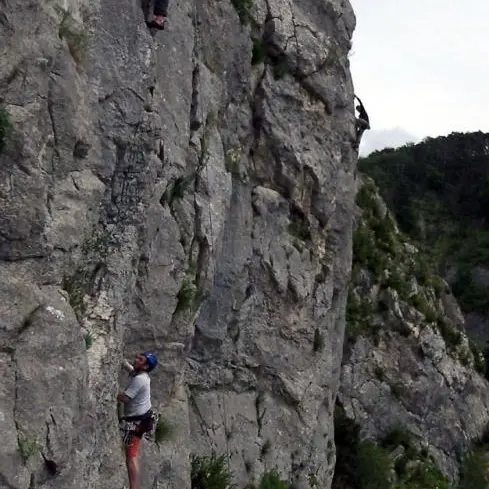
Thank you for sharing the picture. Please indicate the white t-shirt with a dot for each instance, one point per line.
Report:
(139, 392)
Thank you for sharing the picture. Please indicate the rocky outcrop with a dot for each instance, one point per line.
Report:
(408, 363)
(190, 193)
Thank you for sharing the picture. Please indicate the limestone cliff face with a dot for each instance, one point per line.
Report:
(189, 193)
(408, 363)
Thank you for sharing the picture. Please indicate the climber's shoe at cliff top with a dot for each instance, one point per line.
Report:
(158, 21)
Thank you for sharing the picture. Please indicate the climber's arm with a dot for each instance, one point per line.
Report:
(124, 398)
(131, 390)
(126, 365)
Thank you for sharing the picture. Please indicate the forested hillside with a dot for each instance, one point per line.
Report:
(439, 193)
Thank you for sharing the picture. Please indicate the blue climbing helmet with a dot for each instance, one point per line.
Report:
(151, 360)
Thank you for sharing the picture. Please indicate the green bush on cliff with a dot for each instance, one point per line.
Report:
(359, 314)
(366, 251)
(437, 284)
(399, 436)
(474, 474)
(373, 466)
(210, 472)
(365, 199)
(425, 476)
(6, 128)
(28, 447)
(272, 480)
(163, 431)
(415, 469)
(367, 465)
(479, 361)
(259, 53)
(397, 281)
(243, 9)
(359, 464)
(375, 242)
(176, 190)
(452, 336)
(420, 302)
(76, 38)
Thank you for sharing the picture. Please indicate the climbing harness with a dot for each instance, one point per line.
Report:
(142, 425)
(150, 434)
(128, 430)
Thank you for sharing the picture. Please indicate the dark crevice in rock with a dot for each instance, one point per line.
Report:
(161, 152)
(204, 247)
(260, 410)
(298, 54)
(15, 259)
(195, 122)
(313, 92)
(15, 336)
(142, 266)
(17, 70)
(195, 118)
(203, 425)
(136, 94)
(81, 149)
(27, 323)
(75, 184)
(203, 258)
(51, 466)
(16, 398)
(257, 110)
(50, 104)
(97, 278)
(127, 184)
(234, 330)
(48, 437)
(32, 481)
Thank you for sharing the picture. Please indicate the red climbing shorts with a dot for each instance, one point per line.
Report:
(134, 448)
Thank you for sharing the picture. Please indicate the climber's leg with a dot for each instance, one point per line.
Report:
(160, 14)
(161, 7)
(132, 462)
(361, 126)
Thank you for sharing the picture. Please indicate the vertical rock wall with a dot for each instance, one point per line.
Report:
(190, 193)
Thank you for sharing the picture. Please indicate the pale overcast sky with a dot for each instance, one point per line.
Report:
(421, 68)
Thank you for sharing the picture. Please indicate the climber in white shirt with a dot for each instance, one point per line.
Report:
(137, 418)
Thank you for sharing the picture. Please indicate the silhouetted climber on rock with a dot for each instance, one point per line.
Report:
(362, 122)
(160, 12)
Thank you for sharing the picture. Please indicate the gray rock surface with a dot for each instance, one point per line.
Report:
(164, 193)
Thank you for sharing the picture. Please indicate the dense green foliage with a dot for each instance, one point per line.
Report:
(449, 175)
(272, 480)
(438, 191)
(474, 472)
(367, 465)
(210, 472)
(213, 472)
(381, 250)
